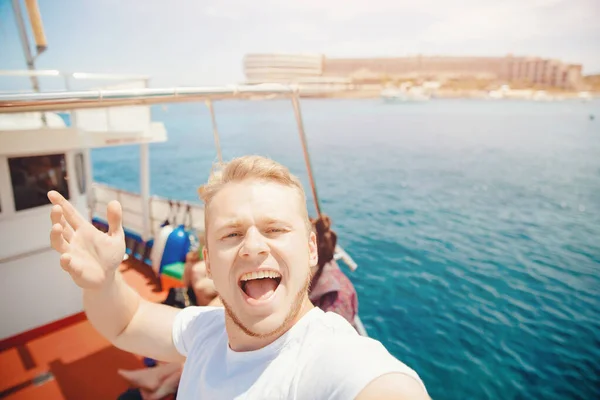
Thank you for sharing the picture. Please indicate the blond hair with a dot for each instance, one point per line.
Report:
(250, 167)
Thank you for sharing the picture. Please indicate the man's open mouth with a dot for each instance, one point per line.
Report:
(260, 285)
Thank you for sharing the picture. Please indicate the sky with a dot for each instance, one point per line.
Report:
(192, 42)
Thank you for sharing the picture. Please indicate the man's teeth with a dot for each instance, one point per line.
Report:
(259, 275)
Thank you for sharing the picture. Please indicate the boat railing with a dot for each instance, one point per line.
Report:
(85, 99)
(123, 99)
(162, 209)
(69, 78)
(122, 120)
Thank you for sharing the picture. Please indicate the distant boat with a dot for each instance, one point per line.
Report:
(404, 95)
(584, 96)
(542, 95)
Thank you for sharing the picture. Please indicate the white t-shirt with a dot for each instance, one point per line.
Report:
(321, 357)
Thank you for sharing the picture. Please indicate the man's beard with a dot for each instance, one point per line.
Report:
(294, 311)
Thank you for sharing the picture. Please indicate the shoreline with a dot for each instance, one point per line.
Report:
(451, 94)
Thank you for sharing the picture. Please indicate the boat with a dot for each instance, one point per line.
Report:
(505, 92)
(406, 93)
(48, 349)
(584, 96)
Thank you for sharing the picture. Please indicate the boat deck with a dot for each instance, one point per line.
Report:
(68, 359)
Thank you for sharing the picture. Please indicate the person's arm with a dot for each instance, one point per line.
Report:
(92, 259)
(130, 322)
(393, 386)
(350, 366)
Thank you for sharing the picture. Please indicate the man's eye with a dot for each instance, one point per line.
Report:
(231, 235)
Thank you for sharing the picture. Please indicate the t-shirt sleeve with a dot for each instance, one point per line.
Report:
(191, 324)
(353, 363)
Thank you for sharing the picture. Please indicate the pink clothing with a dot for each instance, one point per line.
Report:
(333, 291)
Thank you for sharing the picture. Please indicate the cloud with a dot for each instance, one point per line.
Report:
(459, 19)
(307, 30)
(514, 20)
(218, 11)
(225, 30)
(551, 28)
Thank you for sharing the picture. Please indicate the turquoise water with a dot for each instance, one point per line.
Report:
(475, 224)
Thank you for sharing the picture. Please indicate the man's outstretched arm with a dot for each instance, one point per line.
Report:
(92, 259)
(393, 386)
(130, 322)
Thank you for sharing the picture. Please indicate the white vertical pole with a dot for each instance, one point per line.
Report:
(145, 189)
(145, 181)
(87, 157)
(89, 182)
(311, 178)
(209, 104)
(25, 43)
(27, 50)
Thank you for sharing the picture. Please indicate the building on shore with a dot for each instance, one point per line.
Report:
(317, 69)
(306, 70)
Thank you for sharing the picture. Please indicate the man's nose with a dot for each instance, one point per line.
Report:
(254, 244)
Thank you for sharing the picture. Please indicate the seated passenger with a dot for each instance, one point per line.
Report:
(330, 288)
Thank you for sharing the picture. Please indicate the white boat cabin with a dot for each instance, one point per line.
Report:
(41, 152)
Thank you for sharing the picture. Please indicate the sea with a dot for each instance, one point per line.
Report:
(475, 225)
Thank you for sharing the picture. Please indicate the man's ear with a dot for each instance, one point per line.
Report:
(313, 251)
(206, 262)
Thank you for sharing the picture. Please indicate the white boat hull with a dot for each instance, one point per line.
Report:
(36, 292)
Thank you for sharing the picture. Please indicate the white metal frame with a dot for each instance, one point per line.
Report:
(7, 202)
(74, 75)
(70, 100)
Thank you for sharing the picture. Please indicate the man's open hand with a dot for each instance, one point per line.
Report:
(89, 255)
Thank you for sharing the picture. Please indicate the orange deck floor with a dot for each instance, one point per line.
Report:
(74, 362)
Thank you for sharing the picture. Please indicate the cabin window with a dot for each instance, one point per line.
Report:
(80, 170)
(33, 177)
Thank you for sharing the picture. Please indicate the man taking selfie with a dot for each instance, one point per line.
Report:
(268, 341)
